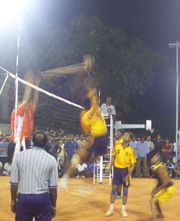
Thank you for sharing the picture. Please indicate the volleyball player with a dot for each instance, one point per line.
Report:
(94, 127)
(164, 189)
(21, 132)
(123, 161)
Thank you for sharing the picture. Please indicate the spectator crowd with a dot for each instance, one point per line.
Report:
(62, 147)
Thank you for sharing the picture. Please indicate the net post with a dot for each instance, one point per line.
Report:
(111, 143)
(101, 170)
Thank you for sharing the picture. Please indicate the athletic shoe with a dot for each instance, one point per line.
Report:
(161, 216)
(83, 177)
(109, 212)
(77, 176)
(124, 212)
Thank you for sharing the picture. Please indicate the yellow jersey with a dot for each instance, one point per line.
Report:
(124, 157)
(93, 123)
(120, 141)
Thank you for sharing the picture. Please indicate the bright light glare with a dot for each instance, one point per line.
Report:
(10, 10)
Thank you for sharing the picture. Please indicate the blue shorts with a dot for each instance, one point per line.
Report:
(99, 146)
(34, 205)
(119, 175)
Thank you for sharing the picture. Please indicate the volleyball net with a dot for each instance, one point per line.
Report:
(54, 114)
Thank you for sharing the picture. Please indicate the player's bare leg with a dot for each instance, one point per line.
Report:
(81, 154)
(110, 209)
(154, 210)
(124, 201)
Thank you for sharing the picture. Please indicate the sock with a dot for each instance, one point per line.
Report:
(112, 205)
(123, 207)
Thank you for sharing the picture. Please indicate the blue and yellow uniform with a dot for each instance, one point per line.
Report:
(124, 157)
(94, 125)
(166, 192)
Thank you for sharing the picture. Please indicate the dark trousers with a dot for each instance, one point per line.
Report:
(141, 164)
(34, 205)
(3, 160)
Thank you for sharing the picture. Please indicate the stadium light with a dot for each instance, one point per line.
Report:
(10, 11)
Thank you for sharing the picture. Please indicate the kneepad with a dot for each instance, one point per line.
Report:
(125, 191)
(114, 191)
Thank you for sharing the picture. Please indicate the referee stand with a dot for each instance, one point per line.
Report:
(99, 170)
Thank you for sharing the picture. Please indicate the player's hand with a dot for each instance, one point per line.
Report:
(109, 170)
(13, 206)
(53, 211)
(126, 180)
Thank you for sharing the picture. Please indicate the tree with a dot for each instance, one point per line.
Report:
(124, 67)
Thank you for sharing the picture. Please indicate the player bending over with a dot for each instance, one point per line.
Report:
(94, 127)
(123, 160)
(164, 189)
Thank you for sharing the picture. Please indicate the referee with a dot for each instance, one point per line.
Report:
(34, 179)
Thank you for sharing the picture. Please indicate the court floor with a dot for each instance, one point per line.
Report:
(84, 201)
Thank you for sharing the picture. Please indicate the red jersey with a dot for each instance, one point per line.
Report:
(24, 123)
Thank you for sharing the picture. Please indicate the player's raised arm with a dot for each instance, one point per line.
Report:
(92, 95)
(37, 80)
(27, 91)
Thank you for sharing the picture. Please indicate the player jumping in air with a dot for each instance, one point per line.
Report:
(164, 189)
(94, 127)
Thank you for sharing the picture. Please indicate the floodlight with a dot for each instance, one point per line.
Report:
(10, 10)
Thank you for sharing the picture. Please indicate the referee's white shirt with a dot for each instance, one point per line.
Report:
(34, 171)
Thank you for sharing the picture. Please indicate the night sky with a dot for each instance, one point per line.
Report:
(155, 22)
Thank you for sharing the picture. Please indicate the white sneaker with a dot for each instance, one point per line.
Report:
(124, 212)
(109, 211)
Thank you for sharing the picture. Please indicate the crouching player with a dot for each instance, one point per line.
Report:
(164, 189)
(123, 160)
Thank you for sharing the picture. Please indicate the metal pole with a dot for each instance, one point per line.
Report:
(17, 66)
(177, 95)
(111, 142)
(16, 134)
(177, 45)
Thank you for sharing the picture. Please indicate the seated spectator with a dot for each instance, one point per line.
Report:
(60, 168)
(81, 170)
(1, 169)
(108, 109)
(7, 169)
(167, 150)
